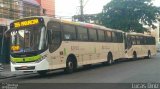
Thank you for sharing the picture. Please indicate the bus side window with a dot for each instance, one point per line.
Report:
(149, 40)
(101, 36)
(108, 35)
(142, 40)
(92, 35)
(119, 37)
(133, 38)
(54, 35)
(137, 40)
(154, 40)
(114, 37)
(82, 33)
(69, 32)
(145, 40)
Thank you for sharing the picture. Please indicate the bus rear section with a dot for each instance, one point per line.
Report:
(138, 45)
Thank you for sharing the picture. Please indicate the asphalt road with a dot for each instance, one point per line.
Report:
(139, 71)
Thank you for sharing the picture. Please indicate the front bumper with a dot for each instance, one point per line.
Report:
(32, 66)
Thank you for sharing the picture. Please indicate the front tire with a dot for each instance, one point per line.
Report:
(70, 66)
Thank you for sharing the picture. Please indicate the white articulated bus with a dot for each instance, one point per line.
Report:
(44, 43)
(139, 45)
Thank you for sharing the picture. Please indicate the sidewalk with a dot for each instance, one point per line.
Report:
(5, 72)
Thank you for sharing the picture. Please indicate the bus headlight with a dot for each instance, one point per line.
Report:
(42, 58)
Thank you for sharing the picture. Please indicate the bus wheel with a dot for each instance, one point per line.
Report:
(42, 72)
(70, 66)
(149, 55)
(110, 59)
(135, 56)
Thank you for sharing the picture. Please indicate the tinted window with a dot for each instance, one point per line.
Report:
(92, 35)
(82, 33)
(145, 40)
(137, 40)
(54, 35)
(69, 32)
(101, 35)
(133, 40)
(114, 37)
(151, 40)
(142, 40)
(119, 37)
(108, 36)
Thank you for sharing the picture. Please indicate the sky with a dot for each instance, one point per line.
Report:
(68, 8)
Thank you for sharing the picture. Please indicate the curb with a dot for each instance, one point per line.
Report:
(5, 77)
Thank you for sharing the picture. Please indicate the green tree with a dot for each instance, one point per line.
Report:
(129, 15)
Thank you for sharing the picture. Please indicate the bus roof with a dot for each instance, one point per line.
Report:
(88, 25)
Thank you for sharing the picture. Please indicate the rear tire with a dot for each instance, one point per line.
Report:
(149, 55)
(135, 56)
(110, 59)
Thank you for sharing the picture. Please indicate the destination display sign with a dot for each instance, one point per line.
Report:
(26, 22)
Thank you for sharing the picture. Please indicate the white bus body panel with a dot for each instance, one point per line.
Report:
(85, 53)
(141, 50)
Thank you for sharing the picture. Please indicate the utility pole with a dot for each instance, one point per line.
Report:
(81, 10)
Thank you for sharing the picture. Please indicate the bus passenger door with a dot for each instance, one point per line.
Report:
(54, 41)
(128, 47)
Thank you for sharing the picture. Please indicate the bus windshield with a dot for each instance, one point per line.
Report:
(31, 39)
